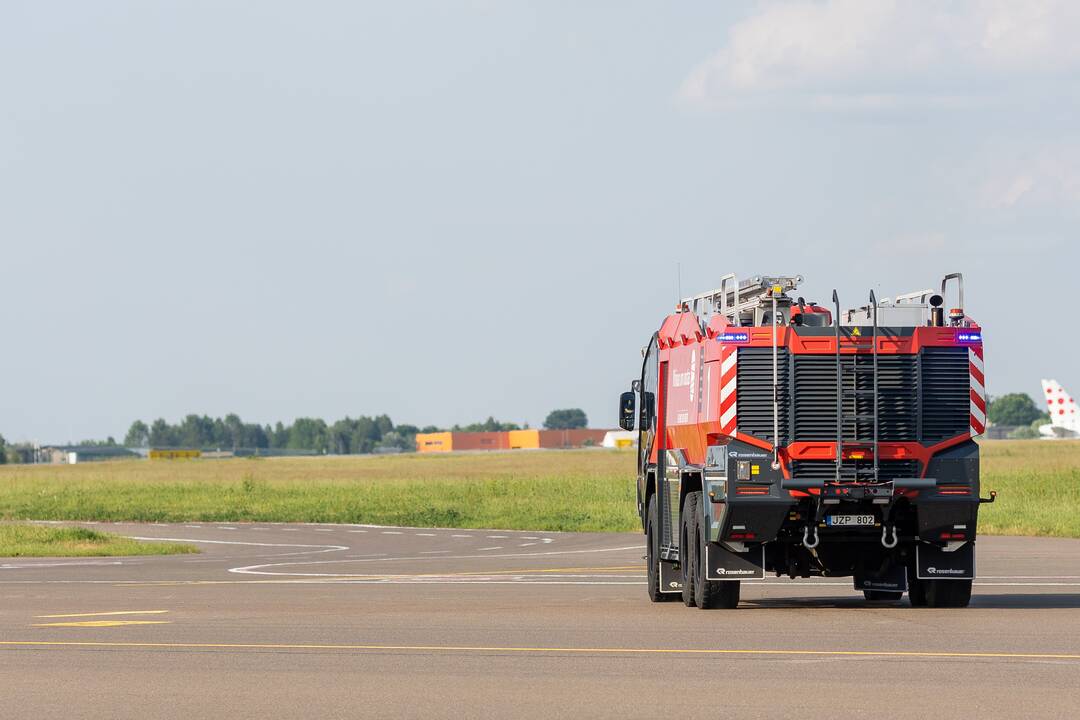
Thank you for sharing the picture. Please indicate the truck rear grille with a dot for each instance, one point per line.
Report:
(946, 387)
(815, 398)
(754, 388)
(826, 469)
(921, 397)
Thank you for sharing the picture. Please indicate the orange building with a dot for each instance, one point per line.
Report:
(450, 441)
(512, 440)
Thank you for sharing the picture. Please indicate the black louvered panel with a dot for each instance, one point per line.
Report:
(815, 398)
(898, 398)
(826, 469)
(946, 386)
(755, 396)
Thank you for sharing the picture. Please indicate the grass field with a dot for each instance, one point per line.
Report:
(43, 541)
(590, 490)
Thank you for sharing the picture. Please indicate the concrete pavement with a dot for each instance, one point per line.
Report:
(352, 621)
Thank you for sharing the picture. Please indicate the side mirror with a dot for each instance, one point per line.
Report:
(626, 410)
(648, 408)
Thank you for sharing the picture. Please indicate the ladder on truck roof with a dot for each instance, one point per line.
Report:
(735, 297)
(851, 385)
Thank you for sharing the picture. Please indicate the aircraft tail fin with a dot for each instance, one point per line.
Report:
(1060, 405)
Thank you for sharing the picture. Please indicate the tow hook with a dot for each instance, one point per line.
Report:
(885, 536)
(992, 498)
(807, 543)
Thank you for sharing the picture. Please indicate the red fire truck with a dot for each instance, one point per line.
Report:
(780, 436)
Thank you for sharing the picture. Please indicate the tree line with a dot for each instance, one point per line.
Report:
(348, 436)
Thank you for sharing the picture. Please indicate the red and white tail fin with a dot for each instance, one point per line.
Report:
(1060, 405)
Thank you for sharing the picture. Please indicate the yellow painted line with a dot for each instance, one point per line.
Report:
(541, 650)
(113, 612)
(101, 623)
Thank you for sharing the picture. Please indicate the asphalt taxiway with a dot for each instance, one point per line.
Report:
(350, 621)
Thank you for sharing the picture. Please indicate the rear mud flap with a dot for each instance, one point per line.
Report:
(933, 563)
(670, 577)
(893, 580)
(722, 564)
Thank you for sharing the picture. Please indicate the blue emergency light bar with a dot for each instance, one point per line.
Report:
(740, 336)
(968, 337)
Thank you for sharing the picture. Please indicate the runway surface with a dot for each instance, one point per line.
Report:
(333, 621)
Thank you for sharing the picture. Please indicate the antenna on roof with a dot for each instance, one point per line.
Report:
(678, 285)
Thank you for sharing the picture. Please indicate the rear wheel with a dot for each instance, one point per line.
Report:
(948, 593)
(916, 589)
(688, 548)
(710, 593)
(882, 595)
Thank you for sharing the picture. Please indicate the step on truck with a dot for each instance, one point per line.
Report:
(781, 436)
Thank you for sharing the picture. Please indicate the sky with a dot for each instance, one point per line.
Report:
(444, 211)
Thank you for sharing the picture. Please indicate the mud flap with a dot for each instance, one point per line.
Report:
(722, 564)
(670, 577)
(933, 563)
(893, 580)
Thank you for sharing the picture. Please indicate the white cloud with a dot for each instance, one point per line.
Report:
(885, 53)
(1048, 176)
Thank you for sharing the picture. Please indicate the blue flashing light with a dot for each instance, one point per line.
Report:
(969, 337)
(739, 336)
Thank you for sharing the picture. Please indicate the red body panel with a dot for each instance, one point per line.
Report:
(699, 408)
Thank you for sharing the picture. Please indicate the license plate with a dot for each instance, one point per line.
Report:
(849, 520)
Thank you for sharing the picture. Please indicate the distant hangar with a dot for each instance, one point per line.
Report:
(514, 440)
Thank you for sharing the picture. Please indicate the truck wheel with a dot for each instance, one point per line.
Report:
(882, 595)
(711, 594)
(688, 548)
(948, 593)
(652, 555)
(916, 588)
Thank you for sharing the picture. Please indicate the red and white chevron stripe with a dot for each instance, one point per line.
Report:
(978, 390)
(728, 406)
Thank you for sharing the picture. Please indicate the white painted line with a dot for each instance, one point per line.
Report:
(392, 532)
(497, 537)
(290, 529)
(465, 536)
(529, 537)
(225, 527)
(526, 544)
(259, 569)
(363, 531)
(315, 548)
(425, 534)
(323, 530)
(193, 526)
(433, 552)
(10, 566)
(497, 547)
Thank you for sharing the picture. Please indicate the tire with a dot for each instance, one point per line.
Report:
(688, 548)
(652, 562)
(948, 593)
(711, 594)
(882, 595)
(916, 589)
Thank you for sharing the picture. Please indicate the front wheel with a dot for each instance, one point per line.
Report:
(652, 554)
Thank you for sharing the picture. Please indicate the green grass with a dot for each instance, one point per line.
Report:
(590, 490)
(1038, 484)
(43, 541)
